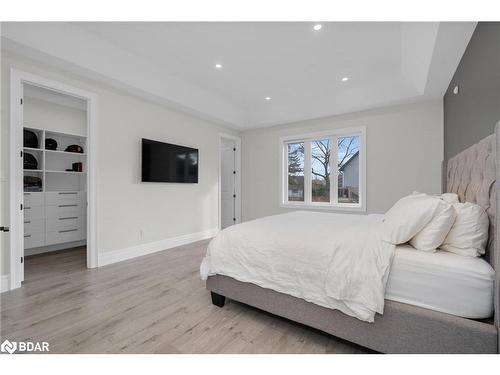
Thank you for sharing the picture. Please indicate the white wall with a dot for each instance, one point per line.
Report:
(125, 206)
(404, 153)
(42, 114)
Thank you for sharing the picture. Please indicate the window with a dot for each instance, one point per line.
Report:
(295, 172)
(324, 170)
(320, 170)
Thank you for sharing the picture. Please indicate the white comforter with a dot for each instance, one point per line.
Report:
(337, 261)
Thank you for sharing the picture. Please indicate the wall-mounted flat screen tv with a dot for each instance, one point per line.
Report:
(165, 162)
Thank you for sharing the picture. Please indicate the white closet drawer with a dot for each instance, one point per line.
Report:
(33, 199)
(33, 212)
(65, 235)
(34, 226)
(65, 197)
(34, 240)
(65, 210)
(63, 223)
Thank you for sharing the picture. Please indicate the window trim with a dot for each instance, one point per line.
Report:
(307, 204)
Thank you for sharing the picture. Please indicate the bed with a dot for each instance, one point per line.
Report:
(462, 319)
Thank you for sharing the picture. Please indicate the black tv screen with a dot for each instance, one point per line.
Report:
(165, 162)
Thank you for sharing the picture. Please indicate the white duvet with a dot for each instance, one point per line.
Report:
(337, 261)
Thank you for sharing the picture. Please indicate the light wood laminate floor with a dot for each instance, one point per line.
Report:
(152, 304)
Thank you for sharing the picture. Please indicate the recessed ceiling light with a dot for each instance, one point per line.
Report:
(218, 66)
(267, 98)
(317, 27)
(345, 79)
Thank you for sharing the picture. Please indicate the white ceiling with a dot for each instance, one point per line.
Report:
(301, 69)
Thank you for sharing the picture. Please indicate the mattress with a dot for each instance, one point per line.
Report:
(442, 281)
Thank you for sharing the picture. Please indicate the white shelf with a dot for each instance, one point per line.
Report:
(52, 163)
(71, 172)
(62, 134)
(64, 191)
(65, 152)
(32, 128)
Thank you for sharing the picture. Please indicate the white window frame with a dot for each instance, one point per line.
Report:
(333, 205)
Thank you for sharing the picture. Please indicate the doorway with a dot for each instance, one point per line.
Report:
(229, 181)
(52, 171)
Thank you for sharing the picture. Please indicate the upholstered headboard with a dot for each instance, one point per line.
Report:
(472, 174)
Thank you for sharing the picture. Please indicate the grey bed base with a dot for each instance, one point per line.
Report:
(403, 328)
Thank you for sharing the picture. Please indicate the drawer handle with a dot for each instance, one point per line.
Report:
(27, 235)
(68, 218)
(68, 230)
(27, 222)
(27, 193)
(68, 205)
(27, 208)
(67, 193)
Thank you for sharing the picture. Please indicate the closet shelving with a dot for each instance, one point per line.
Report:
(56, 213)
(53, 165)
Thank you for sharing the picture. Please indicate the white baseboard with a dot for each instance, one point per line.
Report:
(113, 256)
(4, 283)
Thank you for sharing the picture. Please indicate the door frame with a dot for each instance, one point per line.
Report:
(17, 79)
(237, 164)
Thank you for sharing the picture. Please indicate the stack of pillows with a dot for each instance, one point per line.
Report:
(430, 222)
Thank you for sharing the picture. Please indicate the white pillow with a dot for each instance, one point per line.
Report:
(434, 233)
(469, 234)
(450, 198)
(408, 216)
(447, 197)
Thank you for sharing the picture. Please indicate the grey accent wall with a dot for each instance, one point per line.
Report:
(472, 114)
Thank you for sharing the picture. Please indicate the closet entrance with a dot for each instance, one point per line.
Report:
(54, 169)
(50, 201)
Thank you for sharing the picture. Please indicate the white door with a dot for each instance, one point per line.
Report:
(21, 166)
(228, 182)
(4, 206)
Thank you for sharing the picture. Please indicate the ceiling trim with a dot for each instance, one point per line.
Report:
(430, 55)
(451, 43)
(90, 56)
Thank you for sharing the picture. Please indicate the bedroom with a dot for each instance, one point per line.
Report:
(250, 187)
